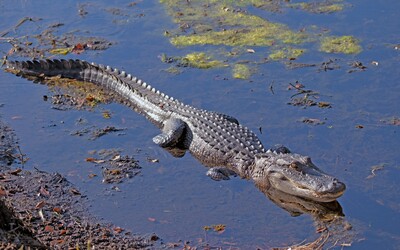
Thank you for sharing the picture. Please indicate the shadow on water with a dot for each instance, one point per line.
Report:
(355, 139)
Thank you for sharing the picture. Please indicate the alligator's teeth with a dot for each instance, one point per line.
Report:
(166, 97)
(153, 90)
(116, 71)
(134, 79)
(101, 66)
(162, 94)
(158, 92)
(129, 76)
(148, 87)
(144, 84)
(123, 73)
(108, 68)
(139, 82)
(171, 98)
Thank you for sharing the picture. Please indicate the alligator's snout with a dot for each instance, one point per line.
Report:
(297, 175)
(334, 187)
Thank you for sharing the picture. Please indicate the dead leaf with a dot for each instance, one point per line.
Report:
(92, 175)
(324, 105)
(114, 171)
(75, 191)
(219, 227)
(3, 192)
(49, 228)
(40, 204)
(94, 160)
(116, 158)
(78, 48)
(312, 121)
(118, 230)
(152, 160)
(106, 115)
(16, 171)
(43, 191)
(57, 210)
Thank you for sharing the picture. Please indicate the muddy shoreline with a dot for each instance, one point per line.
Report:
(40, 210)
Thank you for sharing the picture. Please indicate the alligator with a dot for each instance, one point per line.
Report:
(217, 140)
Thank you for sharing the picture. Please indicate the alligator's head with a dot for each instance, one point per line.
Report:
(296, 175)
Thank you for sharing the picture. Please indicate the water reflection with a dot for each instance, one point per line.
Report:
(296, 206)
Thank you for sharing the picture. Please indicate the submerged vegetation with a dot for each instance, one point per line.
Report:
(343, 44)
(231, 24)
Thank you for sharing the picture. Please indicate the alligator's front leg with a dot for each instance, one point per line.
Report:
(172, 133)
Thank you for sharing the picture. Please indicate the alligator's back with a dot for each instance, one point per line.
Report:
(213, 138)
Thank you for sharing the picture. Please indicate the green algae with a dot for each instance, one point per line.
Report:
(229, 23)
(342, 44)
(241, 71)
(201, 61)
(319, 7)
(198, 60)
(286, 53)
(226, 26)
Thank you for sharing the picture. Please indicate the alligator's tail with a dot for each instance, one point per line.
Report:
(138, 93)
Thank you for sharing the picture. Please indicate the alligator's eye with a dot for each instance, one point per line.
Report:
(283, 178)
(294, 165)
(308, 160)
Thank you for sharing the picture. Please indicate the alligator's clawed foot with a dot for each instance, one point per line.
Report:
(173, 131)
(220, 173)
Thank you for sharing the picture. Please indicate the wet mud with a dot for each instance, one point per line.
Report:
(40, 210)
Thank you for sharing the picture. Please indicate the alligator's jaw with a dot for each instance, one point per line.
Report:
(297, 175)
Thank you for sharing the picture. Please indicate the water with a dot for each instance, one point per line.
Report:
(174, 198)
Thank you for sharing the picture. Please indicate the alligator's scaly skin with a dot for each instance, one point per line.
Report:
(214, 139)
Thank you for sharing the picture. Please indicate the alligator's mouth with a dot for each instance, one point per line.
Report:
(324, 196)
(317, 188)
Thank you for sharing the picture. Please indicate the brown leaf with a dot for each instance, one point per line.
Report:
(3, 192)
(57, 210)
(16, 171)
(219, 227)
(324, 105)
(63, 232)
(118, 230)
(49, 228)
(91, 159)
(43, 191)
(75, 191)
(40, 204)
(56, 242)
(92, 175)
